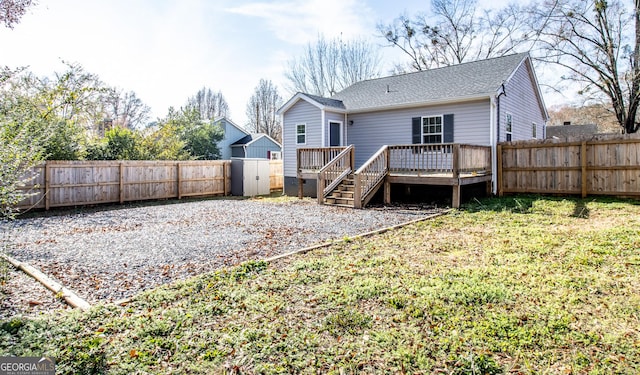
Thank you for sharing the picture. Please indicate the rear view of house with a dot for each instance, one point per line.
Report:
(478, 103)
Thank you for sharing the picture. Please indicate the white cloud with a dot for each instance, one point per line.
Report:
(300, 21)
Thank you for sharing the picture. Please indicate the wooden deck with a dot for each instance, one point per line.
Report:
(452, 165)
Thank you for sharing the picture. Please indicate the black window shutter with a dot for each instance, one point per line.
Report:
(416, 130)
(448, 129)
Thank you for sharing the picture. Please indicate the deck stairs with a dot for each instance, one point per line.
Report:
(343, 194)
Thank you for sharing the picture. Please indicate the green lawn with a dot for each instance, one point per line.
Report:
(514, 285)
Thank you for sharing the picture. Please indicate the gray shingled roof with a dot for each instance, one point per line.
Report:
(326, 101)
(243, 141)
(471, 79)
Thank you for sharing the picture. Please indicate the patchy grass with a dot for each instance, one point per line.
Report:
(514, 285)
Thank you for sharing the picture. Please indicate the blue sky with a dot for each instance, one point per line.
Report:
(166, 50)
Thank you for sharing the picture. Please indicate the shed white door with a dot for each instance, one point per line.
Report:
(256, 178)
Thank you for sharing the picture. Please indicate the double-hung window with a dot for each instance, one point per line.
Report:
(534, 130)
(432, 129)
(509, 127)
(301, 134)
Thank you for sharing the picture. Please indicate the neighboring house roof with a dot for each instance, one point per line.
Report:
(249, 139)
(561, 131)
(228, 121)
(466, 81)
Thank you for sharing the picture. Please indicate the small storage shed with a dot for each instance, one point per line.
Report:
(250, 177)
(256, 146)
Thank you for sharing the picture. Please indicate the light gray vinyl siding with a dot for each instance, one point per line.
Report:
(231, 135)
(522, 103)
(372, 130)
(332, 117)
(300, 113)
(260, 148)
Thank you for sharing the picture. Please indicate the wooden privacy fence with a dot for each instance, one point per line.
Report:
(74, 183)
(276, 175)
(601, 166)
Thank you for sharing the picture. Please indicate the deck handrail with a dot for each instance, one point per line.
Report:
(475, 159)
(370, 175)
(314, 158)
(421, 159)
(335, 171)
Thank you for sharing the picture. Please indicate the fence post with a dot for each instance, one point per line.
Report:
(227, 178)
(179, 179)
(47, 183)
(499, 169)
(121, 182)
(583, 168)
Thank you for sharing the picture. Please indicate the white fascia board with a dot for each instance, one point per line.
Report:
(301, 96)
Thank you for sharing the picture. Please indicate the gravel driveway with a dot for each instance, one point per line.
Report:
(111, 253)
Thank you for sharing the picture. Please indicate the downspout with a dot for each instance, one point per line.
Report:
(495, 141)
(503, 92)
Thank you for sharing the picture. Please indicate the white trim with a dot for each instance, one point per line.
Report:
(323, 131)
(422, 133)
(346, 123)
(305, 134)
(341, 123)
(301, 96)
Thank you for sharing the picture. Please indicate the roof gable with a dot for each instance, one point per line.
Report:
(227, 121)
(317, 101)
(452, 83)
(251, 138)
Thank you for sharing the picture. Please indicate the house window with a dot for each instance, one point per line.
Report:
(509, 126)
(432, 129)
(301, 134)
(534, 130)
(274, 155)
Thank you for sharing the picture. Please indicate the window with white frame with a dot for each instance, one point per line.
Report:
(534, 130)
(432, 129)
(301, 134)
(509, 127)
(274, 155)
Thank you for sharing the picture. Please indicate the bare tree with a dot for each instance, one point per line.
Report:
(11, 11)
(125, 109)
(209, 104)
(262, 108)
(328, 66)
(598, 44)
(457, 31)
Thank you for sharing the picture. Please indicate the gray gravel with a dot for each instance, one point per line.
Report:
(112, 253)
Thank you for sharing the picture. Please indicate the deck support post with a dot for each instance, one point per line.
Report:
(455, 200)
(387, 191)
(357, 193)
(320, 188)
(300, 188)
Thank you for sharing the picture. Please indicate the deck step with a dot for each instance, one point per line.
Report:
(343, 194)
